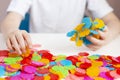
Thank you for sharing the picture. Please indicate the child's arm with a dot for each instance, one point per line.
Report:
(111, 32)
(15, 39)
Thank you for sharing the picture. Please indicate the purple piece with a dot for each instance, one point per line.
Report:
(16, 78)
(102, 74)
(30, 69)
(26, 76)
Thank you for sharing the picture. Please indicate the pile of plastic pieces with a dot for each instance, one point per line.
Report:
(86, 28)
(42, 65)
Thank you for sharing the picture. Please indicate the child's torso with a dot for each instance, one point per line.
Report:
(56, 15)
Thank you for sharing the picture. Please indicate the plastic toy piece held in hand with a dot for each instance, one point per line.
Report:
(86, 28)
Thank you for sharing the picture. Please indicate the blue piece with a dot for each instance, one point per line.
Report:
(86, 41)
(110, 68)
(53, 63)
(108, 65)
(66, 62)
(87, 22)
(93, 32)
(2, 71)
(71, 33)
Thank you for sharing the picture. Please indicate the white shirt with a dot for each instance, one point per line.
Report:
(58, 15)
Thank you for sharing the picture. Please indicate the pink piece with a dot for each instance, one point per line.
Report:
(29, 69)
(37, 64)
(26, 76)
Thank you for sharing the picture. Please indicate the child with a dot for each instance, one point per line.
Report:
(56, 16)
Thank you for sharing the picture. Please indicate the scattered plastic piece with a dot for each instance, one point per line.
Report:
(42, 65)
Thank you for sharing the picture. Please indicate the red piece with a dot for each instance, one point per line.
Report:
(83, 54)
(79, 74)
(73, 59)
(113, 59)
(118, 58)
(26, 61)
(85, 65)
(7, 78)
(118, 71)
(4, 53)
(45, 54)
(43, 51)
(43, 71)
(31, 51)
(108, 74)
(54, 76)
(38, 78)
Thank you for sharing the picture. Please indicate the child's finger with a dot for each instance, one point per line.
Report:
(94, 40)
(15, 44)
(102, 34)
(8, 43)
(93, 47)
(21, 41)
(27, 38)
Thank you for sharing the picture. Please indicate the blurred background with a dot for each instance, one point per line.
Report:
(4, 4)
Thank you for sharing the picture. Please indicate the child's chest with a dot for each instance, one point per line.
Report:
(60, 5)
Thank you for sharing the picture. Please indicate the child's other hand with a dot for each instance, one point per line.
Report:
(18, 40)
(98, 43)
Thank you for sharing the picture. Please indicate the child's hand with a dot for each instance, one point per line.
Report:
(18, 40)
(98, 43)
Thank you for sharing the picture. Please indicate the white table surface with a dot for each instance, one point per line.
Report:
(60, 44)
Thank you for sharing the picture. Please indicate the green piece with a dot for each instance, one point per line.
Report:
(10, 74)
(36, 56)
(69, 67)
(61, 69)
(60, 57)
(11, 60)
(93, 57)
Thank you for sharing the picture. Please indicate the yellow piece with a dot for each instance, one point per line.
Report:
(79, 42)
(46, 77)
(78, 64)
(99, 78)
(84, 33)
(100, 23)
(27, 53)
(97, 63)
(79, 27)
(2, 78)
(72, 71)
(93, 71)
(117, 65)
(73, 38)
(16, 66)
(45, 61)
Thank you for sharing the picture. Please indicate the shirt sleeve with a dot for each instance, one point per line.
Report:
(19, 6)
(99, 8)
